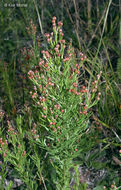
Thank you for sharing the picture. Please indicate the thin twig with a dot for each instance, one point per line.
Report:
(77, 23)
(93, 35)
(116, 135)
(40, 23)
(70, 17)
(103, 27)
(43, 182)
(89, 15)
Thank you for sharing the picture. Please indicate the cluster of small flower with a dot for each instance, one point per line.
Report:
(1, 114)
(31, 28)
(11, 129)
(3, 147)
(113, 187)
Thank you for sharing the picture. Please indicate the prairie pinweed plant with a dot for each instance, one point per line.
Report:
(61, 106)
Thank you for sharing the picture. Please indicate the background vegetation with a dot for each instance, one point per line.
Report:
(95, 29)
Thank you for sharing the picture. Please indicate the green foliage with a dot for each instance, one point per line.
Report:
(119, 68)
(6, 86)
(61, 120)
(62, 109)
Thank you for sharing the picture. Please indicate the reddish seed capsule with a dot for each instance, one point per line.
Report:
(93, 90)
(43, 52)
(78, 72)
(62, 41)
(112, 186)
(0, 139)
(54, 25)
(4, 154)
(58, 107)
(77, 93)
(85, 107)
(60, 23)
(76, 149)
(85, 112)
(72, 90)
(46, 65)
(66, 59)
(60, 30)
(55, 130)
(74, 84)
(24, 153)
(62, 34)
(56, 49)
(70, 77)
(47, 35)
(48, 39)
(57, 46)
(53, 21)
(54, 18)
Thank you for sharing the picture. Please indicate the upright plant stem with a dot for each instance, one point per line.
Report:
(98, 24)
(120, 23)
(40, 23)
(110, 1)
(89, 15)
(42, 11)
(97, 8)
(62, 7)
(77, 23)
